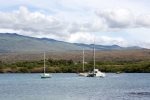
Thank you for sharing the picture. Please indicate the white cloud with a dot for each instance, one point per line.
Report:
(88, 38)
(118, 18)
(90, 26)
(80, 37)
(123, 19)
(143, 20)
(35, 22)
(142, 44)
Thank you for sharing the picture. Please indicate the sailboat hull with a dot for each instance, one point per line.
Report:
(96, 73)
(83, 74)
(45, 76)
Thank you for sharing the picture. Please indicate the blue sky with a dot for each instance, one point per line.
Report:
(121, 22)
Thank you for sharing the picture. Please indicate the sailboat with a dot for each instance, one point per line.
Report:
(95, 72)
(83, 73)
(45, 75)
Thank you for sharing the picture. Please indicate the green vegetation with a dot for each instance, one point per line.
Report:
(70, 66)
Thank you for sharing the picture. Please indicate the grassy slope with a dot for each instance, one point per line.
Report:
(123, 55)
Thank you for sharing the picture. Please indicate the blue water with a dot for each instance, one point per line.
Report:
(72, 87)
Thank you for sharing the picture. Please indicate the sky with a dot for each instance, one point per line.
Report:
(108, 22)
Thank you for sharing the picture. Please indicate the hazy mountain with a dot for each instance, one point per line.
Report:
(17, 43)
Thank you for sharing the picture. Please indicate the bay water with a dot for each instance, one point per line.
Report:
(70, 86)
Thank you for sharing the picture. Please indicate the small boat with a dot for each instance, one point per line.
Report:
(118, 72)
(45, 75)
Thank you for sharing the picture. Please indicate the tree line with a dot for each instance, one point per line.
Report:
(70, 66)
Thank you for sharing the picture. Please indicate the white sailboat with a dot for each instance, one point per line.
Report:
(95, 72)
(45, 75)
(83, 73)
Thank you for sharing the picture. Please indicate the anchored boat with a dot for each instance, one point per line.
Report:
(45, 75)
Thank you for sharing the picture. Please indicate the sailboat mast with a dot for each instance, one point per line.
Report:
(94, 54)
(44, 62)
(83, 60)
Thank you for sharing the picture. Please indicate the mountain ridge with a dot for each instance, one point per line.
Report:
(13, 42)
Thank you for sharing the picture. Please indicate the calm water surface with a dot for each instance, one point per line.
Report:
(72, 87)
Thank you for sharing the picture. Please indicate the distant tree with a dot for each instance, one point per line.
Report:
(70, 62)
(24, 70)
(1, 64)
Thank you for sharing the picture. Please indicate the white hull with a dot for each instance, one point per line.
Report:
(45, 75)
(96, 73)
(83, 74)
(100, 74)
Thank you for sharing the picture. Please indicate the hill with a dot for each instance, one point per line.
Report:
(12, 42)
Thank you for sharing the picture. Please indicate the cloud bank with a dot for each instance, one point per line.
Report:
(123, 18)
(34, 23)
